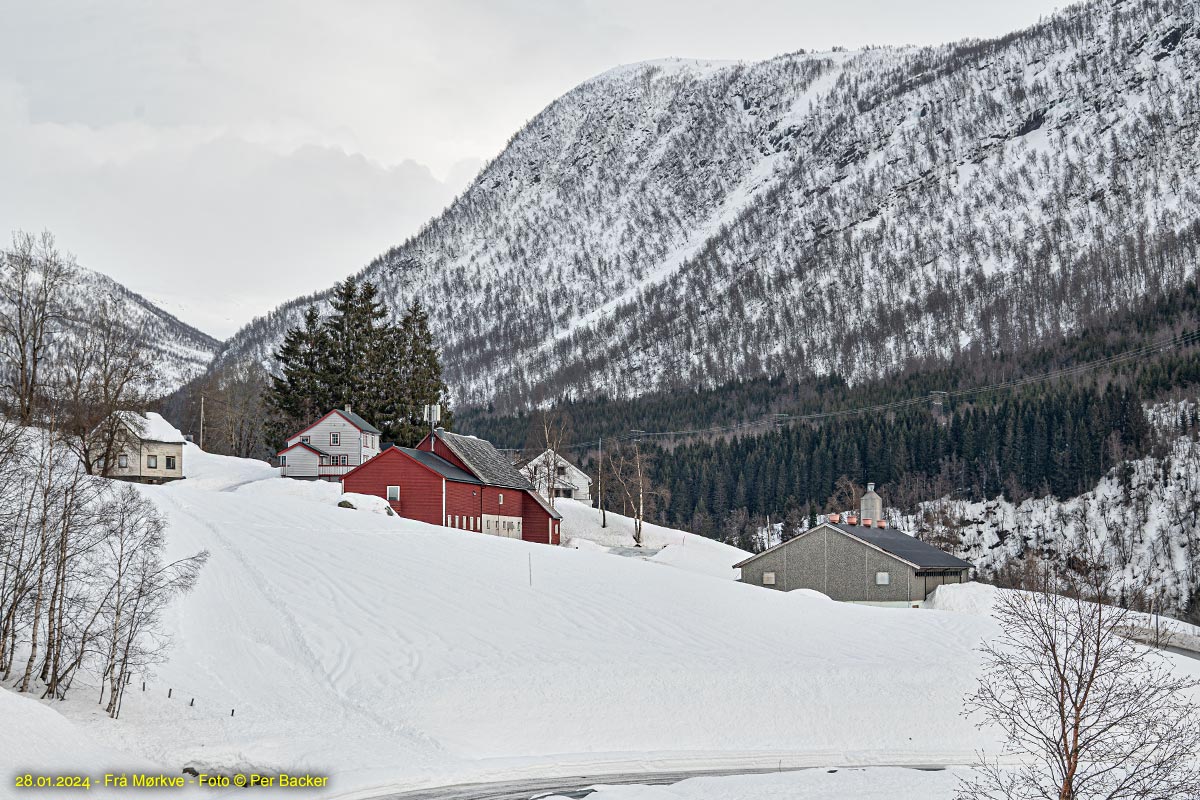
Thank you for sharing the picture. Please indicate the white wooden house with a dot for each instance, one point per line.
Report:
(330, 447)
(145, 448)
(554, 476)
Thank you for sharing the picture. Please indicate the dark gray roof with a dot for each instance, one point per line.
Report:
(440, 465)
(485, 461)
(358, 421)
(903, 546)
(889, 540)
(305, 445)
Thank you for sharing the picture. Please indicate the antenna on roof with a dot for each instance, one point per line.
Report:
(433, 415)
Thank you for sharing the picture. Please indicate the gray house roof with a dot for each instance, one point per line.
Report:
(899, 544)
(358, 421)
(484, 460)
(440, 465)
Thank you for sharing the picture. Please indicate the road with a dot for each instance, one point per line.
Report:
(575, 786)
(1182, 652)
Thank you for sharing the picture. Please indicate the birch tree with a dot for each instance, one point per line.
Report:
(1086, 712)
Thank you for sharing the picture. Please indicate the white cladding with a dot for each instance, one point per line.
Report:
(496, 525)
(550, 473)
(335, 436)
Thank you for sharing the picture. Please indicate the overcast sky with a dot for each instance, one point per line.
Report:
(222, 156)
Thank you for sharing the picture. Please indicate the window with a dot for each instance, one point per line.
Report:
(883, 578)
(123, 461)
(282, 461)
(393, 494)
(152, 462)
(562, 471)
(768, 579)
(306, 439)
(345, 460)
(335, 439)
(170, 462)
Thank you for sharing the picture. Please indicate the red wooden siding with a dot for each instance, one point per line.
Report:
(465, 504)
(534, 521)
(463, 500)
(420, 488)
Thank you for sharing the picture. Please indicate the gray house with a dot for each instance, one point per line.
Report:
(857, 558)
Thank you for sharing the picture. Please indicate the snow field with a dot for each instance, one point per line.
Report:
(388, 653)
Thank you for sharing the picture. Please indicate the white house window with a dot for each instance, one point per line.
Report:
(282, 460)
(393, 494)
(306, 439)
(170, 462)
(152, 462)
(335, 439)
(123, 461)
(562, 471)
(768, 579)
(883, 578)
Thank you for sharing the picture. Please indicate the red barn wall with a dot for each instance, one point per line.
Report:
(463, 500)
(534, 521)
(420, 489)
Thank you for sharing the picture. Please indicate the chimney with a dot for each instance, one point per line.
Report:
(851, 519)
(871, 506)
(835, 518)
(866, 521)
(349, 408)
(881, 523)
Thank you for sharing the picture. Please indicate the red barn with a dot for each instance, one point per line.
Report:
(459, 482)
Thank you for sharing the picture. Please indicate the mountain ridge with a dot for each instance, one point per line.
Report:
(683, 222)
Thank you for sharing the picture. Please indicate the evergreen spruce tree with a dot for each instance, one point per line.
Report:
(299, 393)
(354, 357)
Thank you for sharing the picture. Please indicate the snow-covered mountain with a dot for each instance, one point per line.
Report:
(686, 222)
(179, 351)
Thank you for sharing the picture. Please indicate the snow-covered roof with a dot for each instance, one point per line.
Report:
(151, 427)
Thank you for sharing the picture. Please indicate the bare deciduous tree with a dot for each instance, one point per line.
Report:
(547, 439)
(1088, 713)
(34, 277)
(629, 468)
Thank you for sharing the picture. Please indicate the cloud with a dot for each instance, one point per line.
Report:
(216, 227)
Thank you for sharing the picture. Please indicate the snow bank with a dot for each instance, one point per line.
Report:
(34, 736)
(880, 783)
(979, 598)
(686, 551)
(157, 429)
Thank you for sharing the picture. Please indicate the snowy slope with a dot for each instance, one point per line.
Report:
(388, 652)
(688, 222)
(581, 528)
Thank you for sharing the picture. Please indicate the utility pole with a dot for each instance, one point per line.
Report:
(600, 486)
(201, 422)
